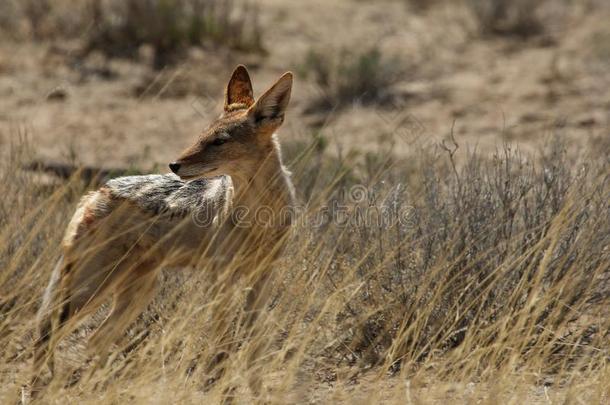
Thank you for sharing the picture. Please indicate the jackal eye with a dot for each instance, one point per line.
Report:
(218, 141)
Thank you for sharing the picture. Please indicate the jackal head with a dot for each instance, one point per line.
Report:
(239, 141)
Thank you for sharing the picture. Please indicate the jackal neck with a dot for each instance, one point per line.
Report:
(269, 188)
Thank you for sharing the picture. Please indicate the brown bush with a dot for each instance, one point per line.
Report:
(347, 76)
(119, 28)
(508, 17)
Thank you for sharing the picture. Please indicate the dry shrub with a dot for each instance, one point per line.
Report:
(172, 25)
(502, 252)
(508, 17)
(489, 280)
(351, 75)
(119, 28)
(44, 20)
(420, 6)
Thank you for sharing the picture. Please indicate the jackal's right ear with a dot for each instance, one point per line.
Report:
(239, 92)
(272, 105)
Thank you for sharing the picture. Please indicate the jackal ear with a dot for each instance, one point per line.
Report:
(272, 104)
(239, 92)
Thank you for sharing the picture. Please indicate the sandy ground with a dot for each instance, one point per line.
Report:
(490, 91)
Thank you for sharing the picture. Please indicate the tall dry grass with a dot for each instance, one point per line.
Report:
(417, 279)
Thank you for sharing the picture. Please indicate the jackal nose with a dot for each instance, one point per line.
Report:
(174, 167)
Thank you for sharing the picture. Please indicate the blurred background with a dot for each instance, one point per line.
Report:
(131, 83)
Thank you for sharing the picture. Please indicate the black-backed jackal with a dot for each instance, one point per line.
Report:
(124, 232)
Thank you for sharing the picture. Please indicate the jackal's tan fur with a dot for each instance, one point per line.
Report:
(122, 233)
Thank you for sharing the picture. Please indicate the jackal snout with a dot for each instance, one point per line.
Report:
(174, 167)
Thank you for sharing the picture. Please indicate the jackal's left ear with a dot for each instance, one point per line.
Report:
(239, 92)
(272, 104)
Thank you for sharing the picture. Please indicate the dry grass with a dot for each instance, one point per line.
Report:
(488, 281)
